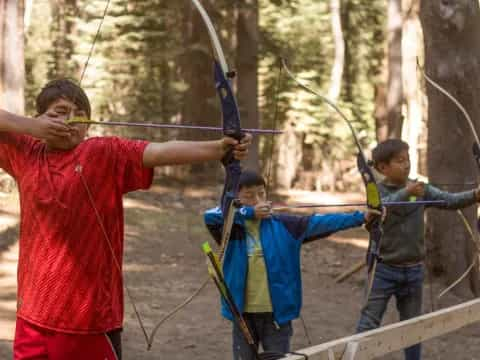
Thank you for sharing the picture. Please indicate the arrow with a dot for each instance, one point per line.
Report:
(77, 120)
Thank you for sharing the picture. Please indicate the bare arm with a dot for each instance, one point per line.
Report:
(181, 152)
(13, 123)
(187, 152)
(43, 127)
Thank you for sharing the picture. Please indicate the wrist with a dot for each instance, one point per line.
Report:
(25, 125)
(221, 149)
(247, 212)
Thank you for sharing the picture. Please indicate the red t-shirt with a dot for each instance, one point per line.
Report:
(67, 277)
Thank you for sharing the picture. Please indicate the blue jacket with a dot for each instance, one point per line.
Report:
(281, 237)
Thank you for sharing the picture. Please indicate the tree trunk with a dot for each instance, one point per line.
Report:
(289, 156)
(12, 56)
(394, 96)
(320, 161)
(452, 49)
(28, 14)
(381, 121)
(339, 61)
(2, 44)
(412, 35)
(201, 103)
(247, 64)
(348, 28)
(63, 48)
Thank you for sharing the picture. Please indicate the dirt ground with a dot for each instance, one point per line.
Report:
(164, 264)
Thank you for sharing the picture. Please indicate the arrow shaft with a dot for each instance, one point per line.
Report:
(393, 203)
(172, 126)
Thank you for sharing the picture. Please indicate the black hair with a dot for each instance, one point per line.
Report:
(387, 150)
(62, 89)
(250, 178)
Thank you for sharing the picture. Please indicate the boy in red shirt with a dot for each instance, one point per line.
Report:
(70, 290)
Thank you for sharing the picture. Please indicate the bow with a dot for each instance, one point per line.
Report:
(231, 127)
(374, 200)
(476, 155)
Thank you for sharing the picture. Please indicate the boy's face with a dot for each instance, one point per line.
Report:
(63, 108)
(398, 169)
(252, 195)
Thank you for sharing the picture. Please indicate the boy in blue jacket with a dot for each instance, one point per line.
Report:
(262, 263)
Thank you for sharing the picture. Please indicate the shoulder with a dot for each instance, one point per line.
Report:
(18, 140)
(113, 144)
(295, 224)
(23, 145)
(388, 188)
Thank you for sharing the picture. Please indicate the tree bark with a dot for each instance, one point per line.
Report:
(320, 160)
(339, 60)
(2, 44)
(394, 96)
(12, 56)
(452, 49)
(201, 103)
(411, 43)
(247, 65)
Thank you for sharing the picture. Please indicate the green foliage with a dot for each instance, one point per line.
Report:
(38, 55)
(302, 34)
(137, 71)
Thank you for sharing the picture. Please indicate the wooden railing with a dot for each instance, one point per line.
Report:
(391, 338)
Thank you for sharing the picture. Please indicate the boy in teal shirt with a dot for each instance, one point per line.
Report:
(400, 271)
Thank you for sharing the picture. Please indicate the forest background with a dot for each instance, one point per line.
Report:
(153, 63)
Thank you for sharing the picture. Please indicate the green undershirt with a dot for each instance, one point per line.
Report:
(257, 296)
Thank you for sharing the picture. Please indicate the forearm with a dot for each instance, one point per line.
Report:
(454, 200)
(14, 123)
(182, 152)
(326, 224)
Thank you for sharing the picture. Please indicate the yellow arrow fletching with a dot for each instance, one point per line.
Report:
(206, 248)
(78, 120)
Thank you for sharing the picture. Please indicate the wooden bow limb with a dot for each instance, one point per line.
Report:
(350, 271)
(175, 310)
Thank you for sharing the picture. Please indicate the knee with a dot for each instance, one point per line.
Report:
(368, 320)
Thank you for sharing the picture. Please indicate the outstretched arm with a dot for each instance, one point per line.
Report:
(454, 201)
(187, 152)
(320, 226)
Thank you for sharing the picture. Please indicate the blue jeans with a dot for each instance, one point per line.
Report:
(265, 331)
(406, 284)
